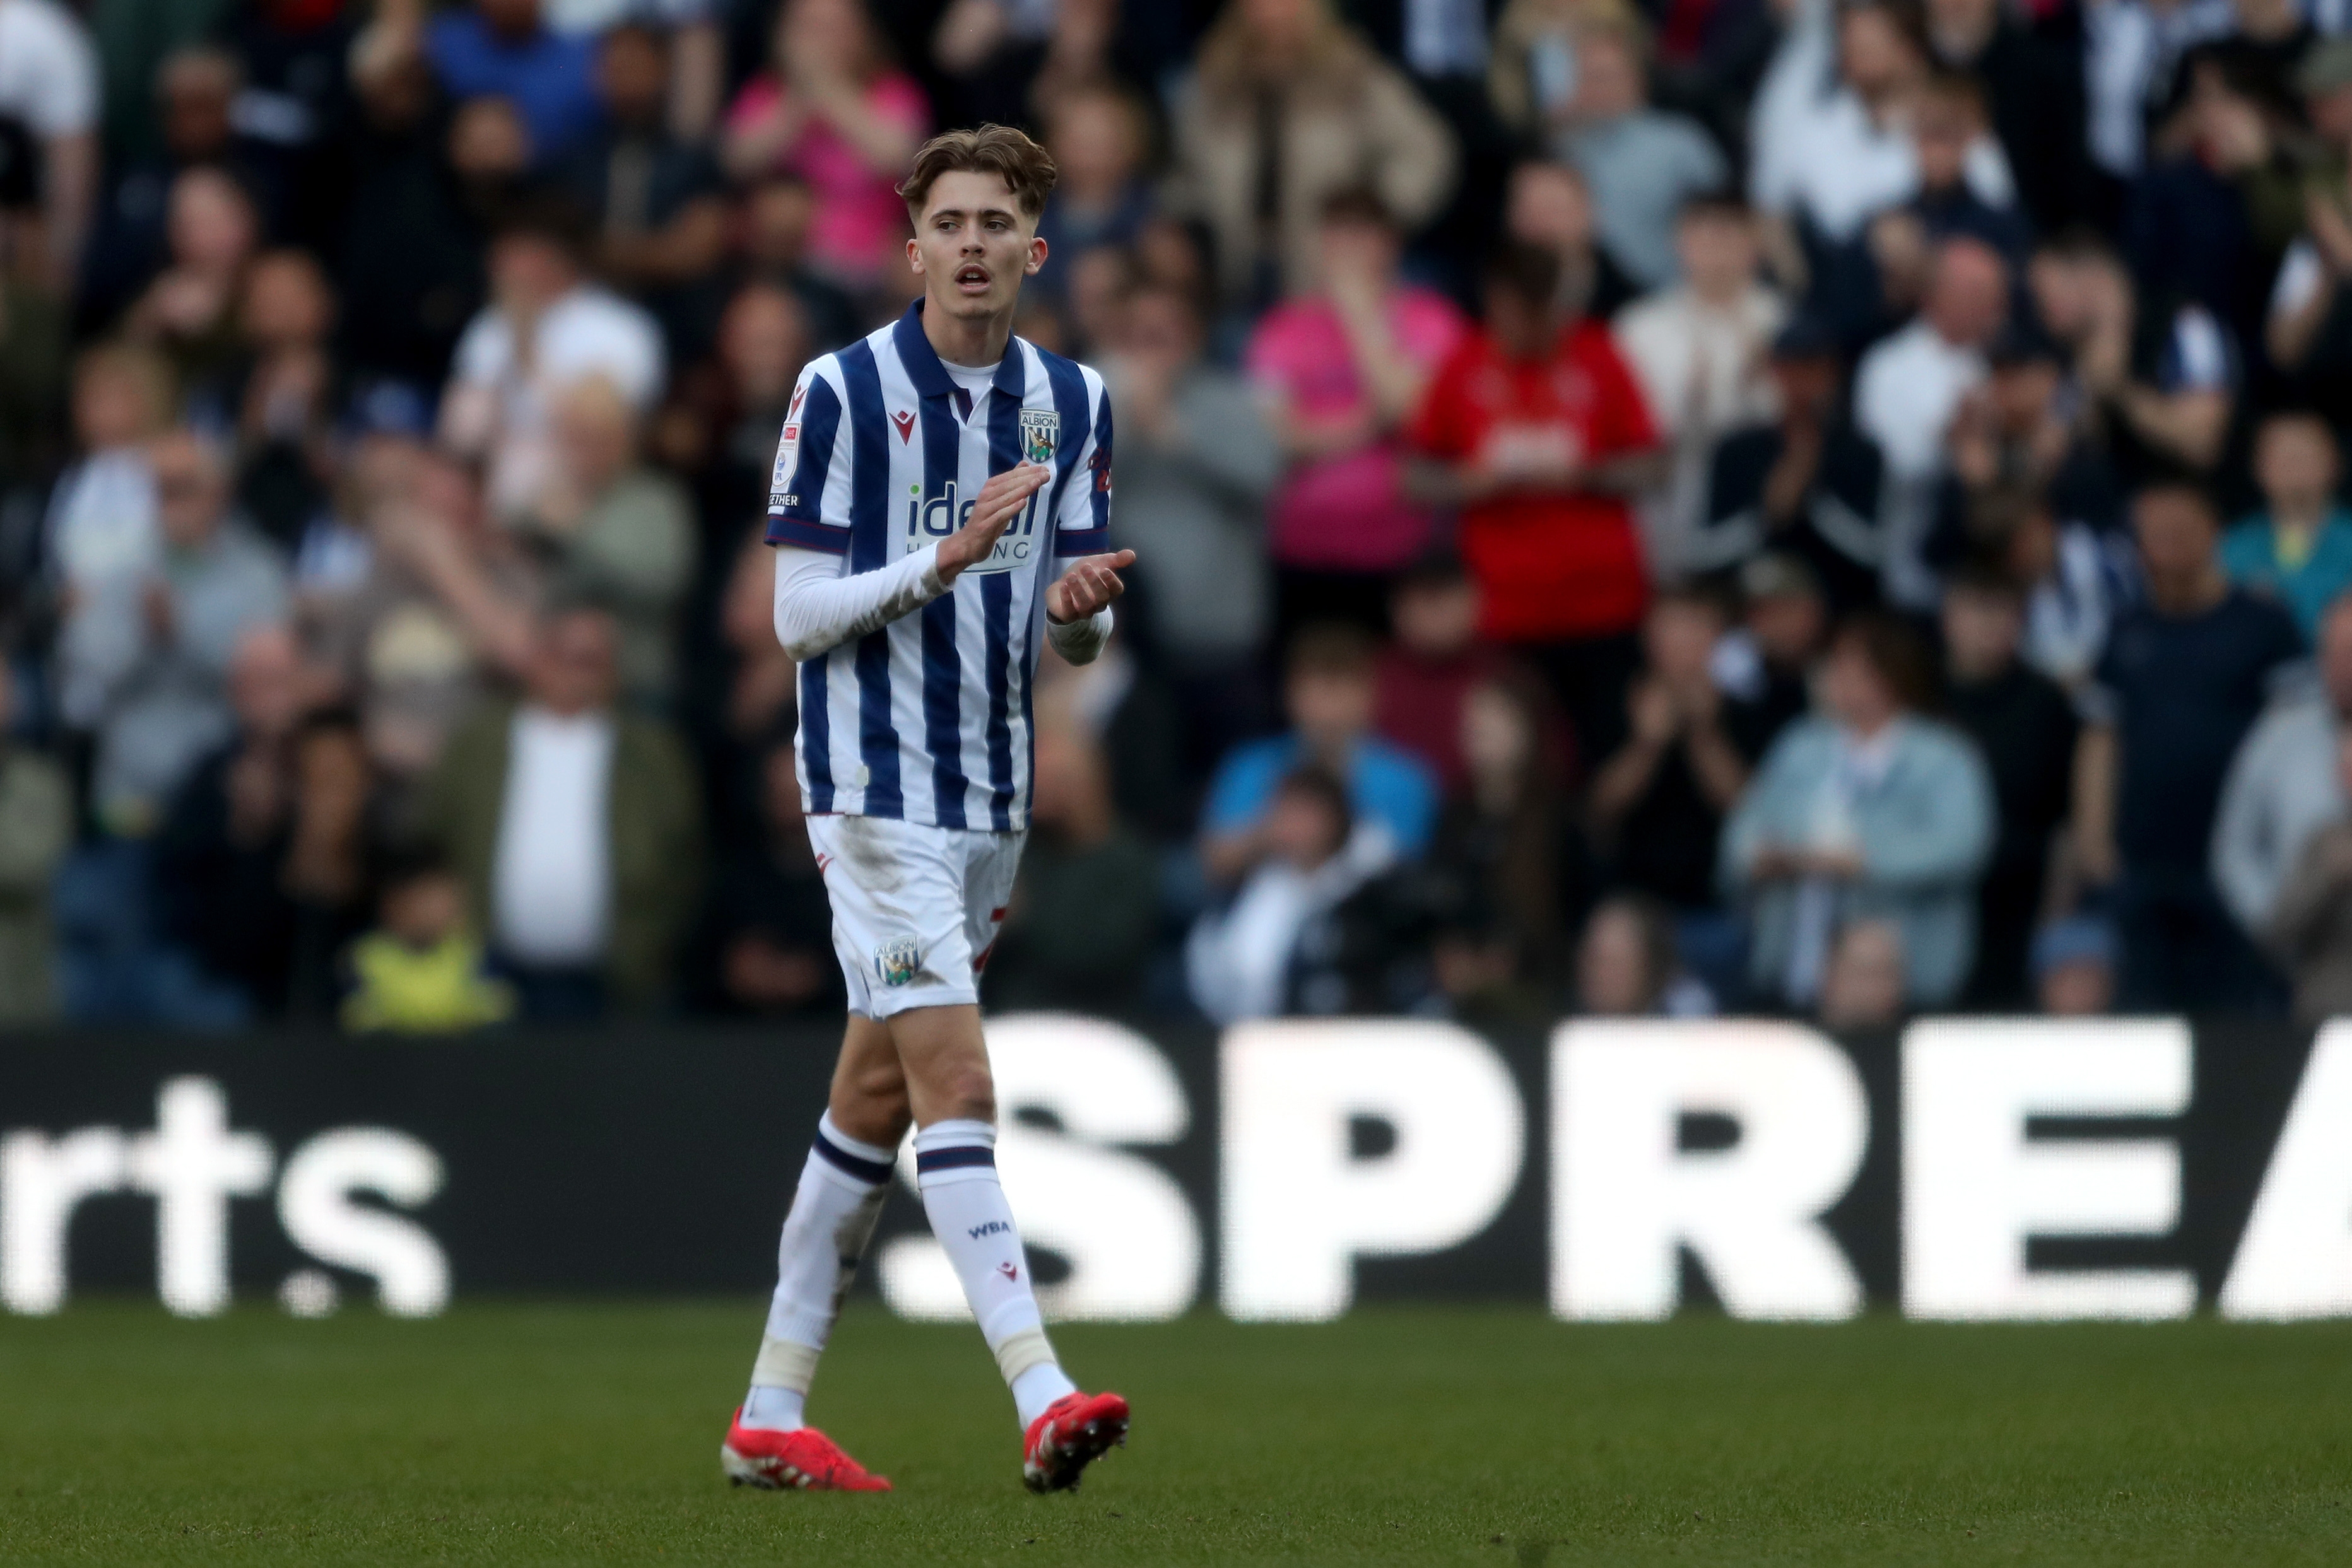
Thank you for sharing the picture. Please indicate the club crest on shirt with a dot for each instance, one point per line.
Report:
(897, 962)
(1040, 429)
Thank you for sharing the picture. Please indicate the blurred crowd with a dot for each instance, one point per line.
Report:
(1645, 507)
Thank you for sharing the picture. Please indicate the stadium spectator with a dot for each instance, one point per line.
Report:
(189, 312)
(1429, 668)
(772, 230)
(2021, 428)
(1341, 369)
(406, 249)
(1829, 161)
(1627, 966)
(37, 822)
(2076, 579)
(576, 829)
(1656, 805)
(1870, 811)
(1286, 107)
(35, 356)
(2074, 962)
(1699, 347)
(2025, 726)
(1098, 135)
(444, 606)
(656, 201)
(1079, 933)
(546, 328)
(264, 859)
(1802, 482)
(193, 90)
(423, 970)
(1196, 463)
(101, 515)
(1302, 861)
(2158, 373)
(145, 652)
(766, 942)
(1864, 986)
(126, 903)
(49, 86)
(2298, 548)
(1640, 162)
(615, 532)
(2034, 79)
(1329, 691)
(1549, 205)
(1537, 430)
(502, 48)
(2283, 787)
(1907, 389)
(1505, 873)
(2309, 929)
(2182, 681)
(831, 109)
(280, 394)
(1767, 662)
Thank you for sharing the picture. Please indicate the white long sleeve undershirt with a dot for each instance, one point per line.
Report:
(818, 609)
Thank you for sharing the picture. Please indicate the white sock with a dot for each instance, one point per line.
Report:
(955, 1165)
(832, 1218)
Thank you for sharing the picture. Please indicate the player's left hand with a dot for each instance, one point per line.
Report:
(1091, 582)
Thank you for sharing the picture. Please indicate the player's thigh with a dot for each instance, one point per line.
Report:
(898, 892)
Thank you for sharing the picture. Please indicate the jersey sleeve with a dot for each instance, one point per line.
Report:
(808, 503)
(1082, 521)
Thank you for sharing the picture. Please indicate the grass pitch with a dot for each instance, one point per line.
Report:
(518, 1433)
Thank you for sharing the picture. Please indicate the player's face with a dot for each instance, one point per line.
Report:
(974, 245)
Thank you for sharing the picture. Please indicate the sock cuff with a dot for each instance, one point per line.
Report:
(861, 1162)
(784, 1364)
(955, 1151)
(955, 1135)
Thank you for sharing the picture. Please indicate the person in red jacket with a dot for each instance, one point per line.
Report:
(1537, 431)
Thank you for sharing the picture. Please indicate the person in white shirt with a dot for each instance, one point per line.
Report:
(1830, 125)
(49, 83)
(1910, 385)
(545, 329)
(1701, 349)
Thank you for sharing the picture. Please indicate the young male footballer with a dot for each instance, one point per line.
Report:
(930, 481)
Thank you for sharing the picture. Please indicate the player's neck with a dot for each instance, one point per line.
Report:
(973, 340)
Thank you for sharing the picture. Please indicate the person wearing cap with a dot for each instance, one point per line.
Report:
(2074, 964)
(1765, 664)
(1805, 484)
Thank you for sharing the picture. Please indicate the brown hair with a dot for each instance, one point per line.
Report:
(1332, 648)
(1026, 168)
(1895, 650)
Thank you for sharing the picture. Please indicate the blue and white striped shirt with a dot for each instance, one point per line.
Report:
(928, 718)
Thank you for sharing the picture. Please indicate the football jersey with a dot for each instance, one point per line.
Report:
(928, 720)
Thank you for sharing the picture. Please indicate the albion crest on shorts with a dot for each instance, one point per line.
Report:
(926, 720)
(897, 963)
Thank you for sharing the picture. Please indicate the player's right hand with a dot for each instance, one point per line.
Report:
(998, 502)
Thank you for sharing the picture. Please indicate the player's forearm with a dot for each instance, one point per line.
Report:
(818, 609)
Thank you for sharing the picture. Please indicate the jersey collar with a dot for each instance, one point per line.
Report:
(931, 378)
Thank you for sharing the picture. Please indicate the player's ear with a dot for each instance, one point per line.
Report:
(1036, 255)
(914, 256)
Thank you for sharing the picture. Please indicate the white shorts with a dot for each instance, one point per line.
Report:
(914, 909)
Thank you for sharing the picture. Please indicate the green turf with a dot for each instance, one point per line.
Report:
(527, 1433)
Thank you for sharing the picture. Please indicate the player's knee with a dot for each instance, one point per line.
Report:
(971, 1096)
